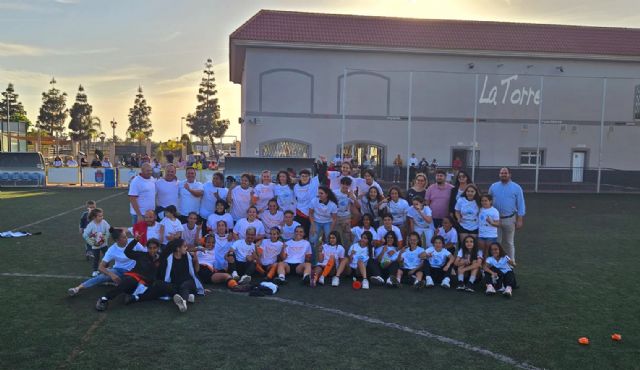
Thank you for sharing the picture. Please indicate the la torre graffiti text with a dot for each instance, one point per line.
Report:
(509, 93)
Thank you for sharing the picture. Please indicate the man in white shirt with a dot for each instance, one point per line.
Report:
(190, 192)
(166, 190)
(142, 193)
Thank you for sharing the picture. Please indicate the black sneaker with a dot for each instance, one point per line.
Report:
(129, 298)
(306, 280)
(469, 288)
(461, 287)
(102, 304)
(279, 281)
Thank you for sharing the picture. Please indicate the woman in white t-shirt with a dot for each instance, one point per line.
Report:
(264, 191)
(251, 221)
(468, 263)
(323, 215)
(225, 259)
(335, 177)
(283, 192)
(411, 262)
(489, 221)
(398, 207)
(366, 224)
(241, 197)
(272, 216)
(208, 273)
(385, 262)
(329, 256)
(96, 234)
(467, 209)
(296, 258)
(220, 213)
(172, 226)
(355, 264)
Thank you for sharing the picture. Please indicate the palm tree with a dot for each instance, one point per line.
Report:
(94, 127)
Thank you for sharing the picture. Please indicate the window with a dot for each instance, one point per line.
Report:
(528, 157)
(636, 104)
(285, 148)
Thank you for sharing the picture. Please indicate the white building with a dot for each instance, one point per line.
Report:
(291, 67)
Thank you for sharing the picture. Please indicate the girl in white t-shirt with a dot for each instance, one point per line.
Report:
(296, 258)
(386, 261)
(264, 191)
(489, 221)
(330, 256)
(241, 197)
(437, 264)
(410, 262)
(448, 233)
(366, 224)
(323, 215)
(239, 230)
(398, 207)
(269, 251)
(289, 226)
(356, 262)
(191, 231)
(219, 213)
(335, 177)
(467, 208)
(420, 220)
(468, 263)
(171, 225)
(283, 192)
(207, 260)
(272, 216)
(498, 270)
(225, 257)
(96, 234)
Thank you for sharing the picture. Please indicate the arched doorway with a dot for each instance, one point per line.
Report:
(359, 151)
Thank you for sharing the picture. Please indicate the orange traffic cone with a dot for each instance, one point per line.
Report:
(583, 341)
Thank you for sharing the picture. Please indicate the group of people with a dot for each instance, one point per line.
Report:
(323, 226)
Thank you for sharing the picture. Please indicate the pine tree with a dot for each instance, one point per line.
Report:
(83, 125)
(53, 111)
(139, 121)
(16, 109)
(206, 122)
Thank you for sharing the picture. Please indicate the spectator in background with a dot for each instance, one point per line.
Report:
(508, 199)
(397, 165)
(95, 163)
(169, 157)
(456, 164)
(437, 198)
(337, 160)
(83, 161)
(423, 166)
(57, 162)
(156, 170)
(133, 161)
(181, 163)
(72, 162)
(106, 163)
(198, 164)
(413, 166)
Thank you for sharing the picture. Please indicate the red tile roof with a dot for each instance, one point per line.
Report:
(404, 33)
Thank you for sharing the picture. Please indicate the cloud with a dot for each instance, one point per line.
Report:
(172, 36)
(24, 50)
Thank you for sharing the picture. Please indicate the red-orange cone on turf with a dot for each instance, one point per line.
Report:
(583, 341)
(616, 337)
(356, 285)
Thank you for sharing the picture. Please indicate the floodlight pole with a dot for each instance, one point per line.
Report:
(539, 134)
(604, 97)
(344, 113)
(409, 126)
(474, 144)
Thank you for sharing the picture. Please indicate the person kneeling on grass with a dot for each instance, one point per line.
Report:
(140, 283)
(499, 271)
(244, 251)
(269, 251)
(412, 264)
(437, 264)
(207, 259)
(330, 256)
(179, 270)
(296, 258)
(356, 262)
(468, 263)
(114, 254)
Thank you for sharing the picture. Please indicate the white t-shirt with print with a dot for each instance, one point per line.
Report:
(289, 231)
(334, 181)
(243, 249)
(382, 232)
(189, 202)
(322, 212)
(243, 224)
(501, 264)
(411, 258)
(485, 229)
(398, 210)
(438, 259)
(212, 221)
(390, 255)
(363, 187)
(270, 220)
(469, 211)
(286, 198)
(264, 193)
(208, 201)
(116, 253)
(190, 235)
(360, 254)
(240, 202)
(221, 248)
(419, 222)
(170, 227)
(344, 204)
(270, 251)
(297, 250)
(450, 236)
(358, 230)
(97, 234)
(167, 193)
(335, 251)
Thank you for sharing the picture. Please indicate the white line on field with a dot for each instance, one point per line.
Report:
(65, 212)
(371, 320)
(423, 333)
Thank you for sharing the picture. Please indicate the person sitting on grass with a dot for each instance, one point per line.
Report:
(223, 250)
(244, 252)
(355, 264)
(220, 212)
(179, 270)
(96, 234)
(115, 254)
(191, 231)
(468, 263)
(330, 256)
(296, 258)
(448, 233)
(208, 273)
(411, 263)
(385, 263)
(269, 251)
(437, 264)
(140, 283)
(239, 230)
(498, 270)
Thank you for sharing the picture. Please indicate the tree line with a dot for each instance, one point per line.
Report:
(204, 122)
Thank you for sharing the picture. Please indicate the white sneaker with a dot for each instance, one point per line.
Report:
(365, 284)
(181, 303)
(95, 273)
(335, 281)
(245, 279)
(234, 276)
(191, 298)
(490, 290)
(388, 282)
(429, 282)
(445, 283)
(507, 292)
(73, 291)
(321, 280)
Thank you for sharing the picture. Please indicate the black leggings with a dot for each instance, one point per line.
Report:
(96, 256)
(436, 273)
(508, 279)
(184, 288)
(374, 268)
(128, 285)
(245, 268)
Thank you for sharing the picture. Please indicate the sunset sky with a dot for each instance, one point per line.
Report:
(113, 46)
